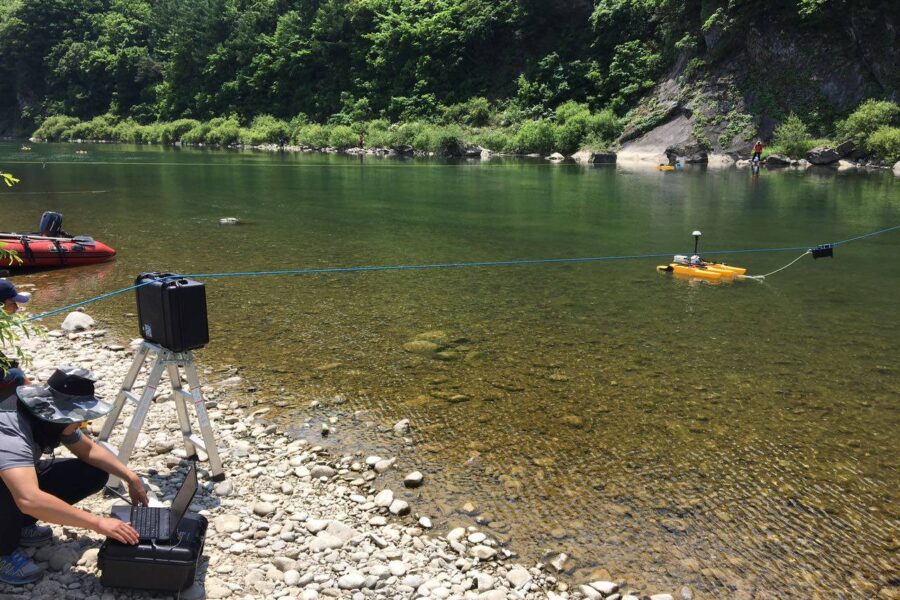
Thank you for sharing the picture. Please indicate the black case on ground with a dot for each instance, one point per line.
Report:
(162, 567)
(172, 312)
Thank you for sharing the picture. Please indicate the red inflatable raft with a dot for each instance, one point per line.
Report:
(36, 250)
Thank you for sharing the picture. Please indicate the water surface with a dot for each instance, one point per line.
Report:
(737, 438)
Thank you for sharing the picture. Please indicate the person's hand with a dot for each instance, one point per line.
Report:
(136, 491)
(117, 530)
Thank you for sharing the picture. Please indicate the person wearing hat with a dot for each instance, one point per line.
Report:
(35, 419)
(12, 375)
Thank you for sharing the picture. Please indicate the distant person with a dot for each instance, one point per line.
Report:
(757, 151)
(34, 420)
(12, 375)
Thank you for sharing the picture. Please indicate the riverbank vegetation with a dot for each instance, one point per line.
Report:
(460, 129)
(873, 129)
(437, 75)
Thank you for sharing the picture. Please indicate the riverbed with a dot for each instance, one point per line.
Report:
(736, 438)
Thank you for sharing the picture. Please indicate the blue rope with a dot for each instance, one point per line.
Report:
(452, 265)
(867, 235)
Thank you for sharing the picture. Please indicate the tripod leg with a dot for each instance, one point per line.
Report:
(209, 439)
(139, 357)
(140, 413)
(184, 420)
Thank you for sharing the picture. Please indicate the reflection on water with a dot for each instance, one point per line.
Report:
(739, 438)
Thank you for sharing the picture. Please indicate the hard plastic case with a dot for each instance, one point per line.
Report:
(172, 311)
(169, 566)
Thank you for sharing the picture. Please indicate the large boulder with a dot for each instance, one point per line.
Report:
(845, 148)
(823, 155)
(690, 153)
(77, 321)
(602, 158)
(594, 158)
(777, 160)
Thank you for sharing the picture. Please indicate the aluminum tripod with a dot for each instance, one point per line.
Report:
(164, 359)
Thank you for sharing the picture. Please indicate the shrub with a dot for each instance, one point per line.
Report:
(55, 128)
(497, 140)
(342, 137)
(569, 135)
(197, 134)
(475, 112)
(870, 116)
(605, 124)
(407, 133)
(266, 129)
(536, 136)
(424, 138)
(571, 110)
(448, 141)
(885, 143)
(175, 130)
(313, 134)
(98, 128)
(224, 132)
(129, 131)
(793, 137)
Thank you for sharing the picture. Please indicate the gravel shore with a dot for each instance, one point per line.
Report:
(292, 520)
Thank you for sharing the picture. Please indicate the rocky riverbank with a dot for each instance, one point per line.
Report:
(292, 520)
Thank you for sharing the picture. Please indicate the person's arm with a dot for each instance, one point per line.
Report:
(22, 484)
(96, 455)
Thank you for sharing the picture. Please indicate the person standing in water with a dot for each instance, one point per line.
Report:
(757, 151)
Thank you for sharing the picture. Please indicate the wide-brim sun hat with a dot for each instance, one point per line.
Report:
(67, 398)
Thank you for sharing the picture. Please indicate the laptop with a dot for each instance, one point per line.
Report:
(156, 524)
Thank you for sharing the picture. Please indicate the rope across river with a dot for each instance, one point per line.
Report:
(451, 265)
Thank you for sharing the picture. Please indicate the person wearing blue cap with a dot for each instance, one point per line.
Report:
(11, 298)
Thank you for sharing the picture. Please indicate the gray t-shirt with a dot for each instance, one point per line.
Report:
(17, 445)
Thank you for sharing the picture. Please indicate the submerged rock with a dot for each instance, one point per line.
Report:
(421, 347)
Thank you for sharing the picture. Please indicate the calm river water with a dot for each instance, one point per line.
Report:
(739, 438)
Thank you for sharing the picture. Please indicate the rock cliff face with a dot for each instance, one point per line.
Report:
(743, 83)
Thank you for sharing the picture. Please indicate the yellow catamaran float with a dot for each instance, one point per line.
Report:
(696, 268)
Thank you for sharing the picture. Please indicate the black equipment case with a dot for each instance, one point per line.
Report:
(172, 311)
(152, 566)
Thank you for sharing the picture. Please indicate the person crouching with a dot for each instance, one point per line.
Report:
(35, 419)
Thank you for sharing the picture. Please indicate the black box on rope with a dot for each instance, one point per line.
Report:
(172, 311)
(169, 566)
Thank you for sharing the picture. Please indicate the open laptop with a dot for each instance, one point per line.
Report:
(159, 524)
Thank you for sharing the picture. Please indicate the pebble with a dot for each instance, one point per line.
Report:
(399, 507)
(320, 471)
(518, 577)
(605, 587)
(351, 581)
(413, 480)
(384, 498)
(263, 509)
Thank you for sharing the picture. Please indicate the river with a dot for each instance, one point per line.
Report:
(739, 438)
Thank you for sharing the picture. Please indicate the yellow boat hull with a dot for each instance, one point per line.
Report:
(707, 271)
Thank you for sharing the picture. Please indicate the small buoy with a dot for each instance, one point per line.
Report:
(26, 148)
(229, 221)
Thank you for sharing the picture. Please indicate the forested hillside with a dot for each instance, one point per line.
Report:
(470, 62)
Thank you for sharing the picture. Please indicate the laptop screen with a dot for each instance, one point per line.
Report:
(183, 499)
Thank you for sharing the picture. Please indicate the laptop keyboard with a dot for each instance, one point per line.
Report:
(146, 522)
